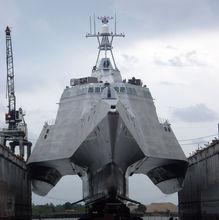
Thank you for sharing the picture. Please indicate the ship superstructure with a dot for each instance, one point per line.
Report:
(107, 129)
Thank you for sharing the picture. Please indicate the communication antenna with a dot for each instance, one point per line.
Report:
(94, 18)
(115, 23)
(90, 26)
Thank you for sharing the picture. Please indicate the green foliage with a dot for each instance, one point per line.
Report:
(52, 210)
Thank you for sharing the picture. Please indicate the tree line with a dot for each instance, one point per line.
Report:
(52, 210)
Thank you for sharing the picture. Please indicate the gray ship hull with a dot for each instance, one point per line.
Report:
(113, 139)
(105, 131)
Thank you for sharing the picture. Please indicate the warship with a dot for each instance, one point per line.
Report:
(106, 130)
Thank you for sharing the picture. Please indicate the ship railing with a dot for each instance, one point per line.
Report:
(208, 145)
(163, 121)
(50, 122)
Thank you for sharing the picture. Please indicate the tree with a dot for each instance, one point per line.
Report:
(67, 206)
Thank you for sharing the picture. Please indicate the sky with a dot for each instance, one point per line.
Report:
(173, 46)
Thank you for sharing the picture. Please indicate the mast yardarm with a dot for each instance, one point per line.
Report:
(104, 37)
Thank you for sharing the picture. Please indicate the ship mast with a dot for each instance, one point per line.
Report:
(104, 38)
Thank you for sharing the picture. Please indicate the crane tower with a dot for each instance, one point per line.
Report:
(13, 117)
(16, 133)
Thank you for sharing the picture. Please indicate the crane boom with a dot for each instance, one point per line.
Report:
(10, 71)
(12, 117)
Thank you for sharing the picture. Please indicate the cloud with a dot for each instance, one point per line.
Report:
(174, 61)
(172, 83)
(1, 124)
(3, 110)
(175, 58)
(129, 58)
(158, 17)
(195, 113)
(13, 17)
(192, 58)
(42, 25)
(171, 47)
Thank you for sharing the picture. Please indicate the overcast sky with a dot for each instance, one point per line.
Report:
(173, 46)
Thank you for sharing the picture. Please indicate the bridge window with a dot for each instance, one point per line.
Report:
(122, 89)
(90, 89)
(131, 91)
(97, 89)
(117, 89)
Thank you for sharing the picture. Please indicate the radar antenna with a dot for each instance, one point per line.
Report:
(104, 38)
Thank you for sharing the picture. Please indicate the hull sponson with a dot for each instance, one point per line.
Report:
(107, 137)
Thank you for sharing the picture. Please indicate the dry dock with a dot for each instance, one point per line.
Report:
(199, 198)
(15, 190)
